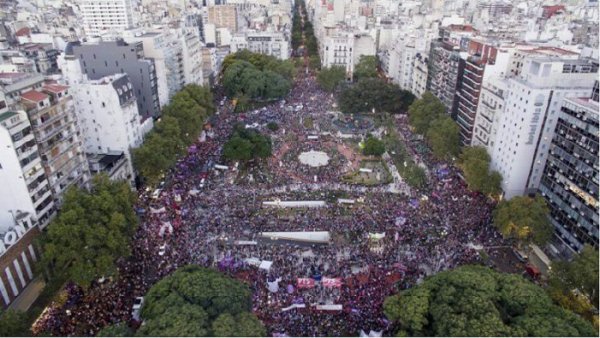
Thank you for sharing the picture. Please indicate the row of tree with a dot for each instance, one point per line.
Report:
(93, 229)
(427, 116)
(180, 125)
(253, 76)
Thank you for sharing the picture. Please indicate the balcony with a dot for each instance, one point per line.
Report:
(40, 197)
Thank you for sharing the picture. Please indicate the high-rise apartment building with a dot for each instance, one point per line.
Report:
(52, 115)
(106, 58)
(24, 183)
(480, 54)
(525, 124)
(106, 16)
(570, 179)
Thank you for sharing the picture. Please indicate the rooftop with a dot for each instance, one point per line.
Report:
(34, 96)
(55, 88)
(7, 115)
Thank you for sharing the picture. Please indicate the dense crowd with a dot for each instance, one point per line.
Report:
(203, 223)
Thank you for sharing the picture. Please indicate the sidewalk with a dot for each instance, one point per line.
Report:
(28, 295)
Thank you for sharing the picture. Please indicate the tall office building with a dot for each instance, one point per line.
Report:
(104, 16)
(570, 179)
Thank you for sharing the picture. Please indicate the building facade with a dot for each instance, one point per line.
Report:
(570, 179)
(24, 183)
(527, 121)
(18, 255)
(102, 16)
(101, 59)
(54, 124)
(108, 117)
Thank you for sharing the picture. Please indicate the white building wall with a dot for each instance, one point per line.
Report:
(15, 195)
(526, 125)
(106, 123)
(102, 16)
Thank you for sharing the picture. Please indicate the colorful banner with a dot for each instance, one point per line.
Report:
(305, 283)
(332, 282)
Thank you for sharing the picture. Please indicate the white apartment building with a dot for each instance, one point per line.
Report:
(419, 74)
(108, 117)
(192, 60)
(401, 60)
(526, 121)
(105, 16)
(24, 183)
(268, 43)
(345, 49)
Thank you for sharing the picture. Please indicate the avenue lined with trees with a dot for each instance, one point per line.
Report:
(179, 126)
(95, 228)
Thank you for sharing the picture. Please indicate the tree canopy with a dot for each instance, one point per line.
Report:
(373, 93)
(524, 219)
(424, 111)
(574, 284)
(373, 147)
(256, 76)
(246, 144)
(116, 330)
(475, 164)
(444, 138)
(14, 324)
(330, 78)
(477, 301)
(179, 126)
(92, 231)
(366, 67)
(196, 301)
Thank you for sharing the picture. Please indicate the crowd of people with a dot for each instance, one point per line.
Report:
(379, 244)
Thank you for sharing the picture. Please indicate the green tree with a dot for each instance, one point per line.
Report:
(424, 111)
(477, 301)
(524, 219)
(179, 127)
(92, 231)
(247, 144)
(374, 94)
(196, 301)
(257, 76)
(248, 325)
(475, 164)
(366, 67)
(330, 78)
(414, 175)
(444, 138)
(314, 62)
(574, 284)
(225, 326)
(14, 324)
(116, 330)
(273, 126)
(373, 147)
(152, 159)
